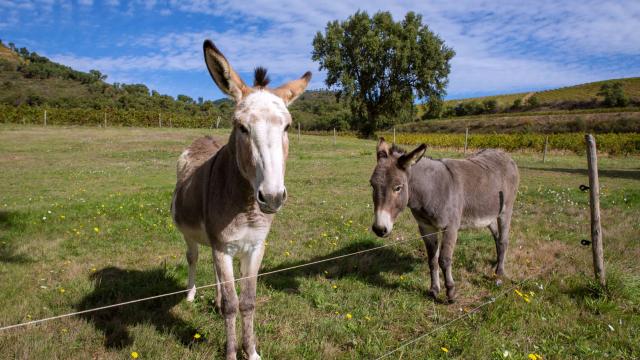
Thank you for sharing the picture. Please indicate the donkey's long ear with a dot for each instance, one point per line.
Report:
(405, 161)
(222, 73)
(382, 150)
(291, 90)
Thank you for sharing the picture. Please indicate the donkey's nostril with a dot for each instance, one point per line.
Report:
(261, 197)
(379, 230)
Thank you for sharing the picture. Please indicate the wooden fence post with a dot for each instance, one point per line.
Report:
(466, 138)
(45, 118)
(105, 120)
(334, 136)
(544, 153)
(594, 197)
(394, 134)
(159, 120)
(218, 122)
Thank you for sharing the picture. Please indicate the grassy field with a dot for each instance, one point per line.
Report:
(84, 222)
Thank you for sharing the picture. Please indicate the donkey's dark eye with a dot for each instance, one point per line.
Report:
(397, 188)
(243, 129)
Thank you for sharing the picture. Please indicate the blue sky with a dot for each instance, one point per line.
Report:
(502, 46)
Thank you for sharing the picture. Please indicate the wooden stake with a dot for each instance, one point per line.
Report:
(159, 120)
(394, 135)
(546, 144)
(105, 120)
(466, 138)
(334, 136)
(596, 229)
(45, 118)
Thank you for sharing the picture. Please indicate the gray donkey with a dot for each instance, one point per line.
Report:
(445, 195)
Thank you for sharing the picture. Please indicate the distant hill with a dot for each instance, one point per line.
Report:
(29, 81)
(583, 96)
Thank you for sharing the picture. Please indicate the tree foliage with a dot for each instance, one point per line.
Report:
(381, 67)
(613, 94)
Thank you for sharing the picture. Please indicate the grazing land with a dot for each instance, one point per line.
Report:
(84, 222)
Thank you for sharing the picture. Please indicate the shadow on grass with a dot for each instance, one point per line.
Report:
(10, 221)
(367, 267)
(115, 285)
(620, 174)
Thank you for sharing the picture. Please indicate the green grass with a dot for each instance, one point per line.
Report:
(87, 211)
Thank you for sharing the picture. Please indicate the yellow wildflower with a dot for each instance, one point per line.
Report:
(286, 253)
(134, 355)
(518, 292)
(348, 316)
(196, 336)
(61, 290)
(334, 286)
(96, 229)
(444, 349)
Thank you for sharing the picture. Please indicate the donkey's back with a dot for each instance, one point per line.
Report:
(486, 184)
(200, 150)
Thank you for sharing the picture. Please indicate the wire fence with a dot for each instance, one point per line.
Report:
(75, 313)
(467, 314)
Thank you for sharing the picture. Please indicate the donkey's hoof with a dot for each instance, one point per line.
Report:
(254, 356)
(451, 295)
(433, 293)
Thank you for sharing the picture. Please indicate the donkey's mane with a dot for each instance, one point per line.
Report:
(260, 77)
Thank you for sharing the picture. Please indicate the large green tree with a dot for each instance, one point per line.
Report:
(381, 67)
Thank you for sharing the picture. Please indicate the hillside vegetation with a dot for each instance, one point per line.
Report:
(31, 84)
(621, 93)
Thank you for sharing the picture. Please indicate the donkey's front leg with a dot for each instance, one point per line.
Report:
(224, 270)
(446, 260)
(430, 239)
(249, 266)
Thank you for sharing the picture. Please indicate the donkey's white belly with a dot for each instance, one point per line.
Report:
(477, 222)
(244, 239)
(241, 239)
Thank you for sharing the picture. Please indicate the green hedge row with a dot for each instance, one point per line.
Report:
(115, 117)
(615, 144)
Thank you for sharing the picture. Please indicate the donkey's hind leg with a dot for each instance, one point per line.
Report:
(504, 225)
(495, 231)
(192, 260)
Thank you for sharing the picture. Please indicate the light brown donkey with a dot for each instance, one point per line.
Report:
(226, 196)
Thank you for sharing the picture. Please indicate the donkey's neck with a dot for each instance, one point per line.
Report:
(428, 179)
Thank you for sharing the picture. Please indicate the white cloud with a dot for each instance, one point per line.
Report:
(500, 46)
